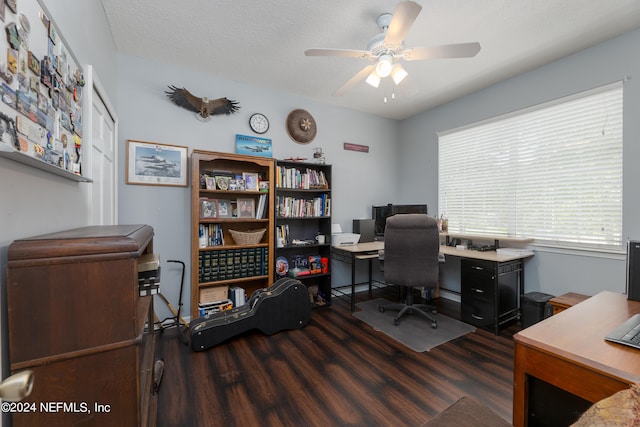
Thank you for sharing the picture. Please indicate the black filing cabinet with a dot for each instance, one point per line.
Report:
(490, 292)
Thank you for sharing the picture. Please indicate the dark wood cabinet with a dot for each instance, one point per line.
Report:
(75, 317)
(490, 292)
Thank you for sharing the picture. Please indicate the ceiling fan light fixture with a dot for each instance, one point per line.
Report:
(398, 73)
(373, 79)
(384, 65)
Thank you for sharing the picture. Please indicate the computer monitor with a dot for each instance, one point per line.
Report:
(381, 213)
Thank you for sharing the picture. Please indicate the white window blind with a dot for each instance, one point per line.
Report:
(553, 173)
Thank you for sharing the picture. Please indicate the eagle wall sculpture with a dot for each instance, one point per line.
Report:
(204, 107)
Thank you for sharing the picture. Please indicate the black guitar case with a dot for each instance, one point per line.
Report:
(284, 305)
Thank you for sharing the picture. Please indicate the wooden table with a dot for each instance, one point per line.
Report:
(568, 351)
(564, 301)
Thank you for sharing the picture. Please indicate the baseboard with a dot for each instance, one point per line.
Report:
(449, 295)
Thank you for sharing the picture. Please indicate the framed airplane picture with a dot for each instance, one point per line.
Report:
(253, 146)
(150, 163)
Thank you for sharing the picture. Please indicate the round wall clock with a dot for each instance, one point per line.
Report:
(259, 123)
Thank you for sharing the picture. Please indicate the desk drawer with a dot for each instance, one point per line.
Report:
(478, 312)
(477, 279)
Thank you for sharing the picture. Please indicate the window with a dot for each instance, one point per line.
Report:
(552, 172)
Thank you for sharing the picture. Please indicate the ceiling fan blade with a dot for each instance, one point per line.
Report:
(362, 74)
(347, 53)
(403, 17)
(462, 50)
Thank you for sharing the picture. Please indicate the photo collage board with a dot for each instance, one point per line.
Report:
(41, 86)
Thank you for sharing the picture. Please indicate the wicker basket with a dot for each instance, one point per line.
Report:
(247, 237)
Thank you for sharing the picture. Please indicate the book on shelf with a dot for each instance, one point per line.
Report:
(283, 234)
(226, 264)
(237, 295)
(262, 206)
(298, 179)
(215, 307)
(293, 207)
(210, 235)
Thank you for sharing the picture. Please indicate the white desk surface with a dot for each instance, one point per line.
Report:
(521, 240)
(487, 255)
(362, 248)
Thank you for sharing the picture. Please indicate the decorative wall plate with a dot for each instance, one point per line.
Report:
(301, 126)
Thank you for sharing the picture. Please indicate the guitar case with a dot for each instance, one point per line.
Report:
(284, 305)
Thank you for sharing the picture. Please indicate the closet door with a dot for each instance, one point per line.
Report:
(103, 154)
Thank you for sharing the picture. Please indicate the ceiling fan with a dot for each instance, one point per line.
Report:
(386, 49)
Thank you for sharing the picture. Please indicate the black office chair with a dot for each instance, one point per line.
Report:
(411, 248)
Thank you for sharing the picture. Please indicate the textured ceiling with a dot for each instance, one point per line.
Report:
(262, 42)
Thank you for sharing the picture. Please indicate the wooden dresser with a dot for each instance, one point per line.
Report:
(76, 319)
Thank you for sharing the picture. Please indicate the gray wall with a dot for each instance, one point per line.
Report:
(550, 271)
(360, 179)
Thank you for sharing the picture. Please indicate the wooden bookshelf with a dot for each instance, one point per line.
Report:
(218, 261)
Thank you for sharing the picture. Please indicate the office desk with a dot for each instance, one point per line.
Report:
(490, 286)
(369, 251)
(569, 352)
(361, 251)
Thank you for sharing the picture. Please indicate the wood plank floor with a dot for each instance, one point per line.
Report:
(337, 371)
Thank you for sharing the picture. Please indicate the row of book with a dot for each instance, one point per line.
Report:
(210, 235)
(299, 179)
(220, 298)
(282, 235)
(226, 264)
(292, 207)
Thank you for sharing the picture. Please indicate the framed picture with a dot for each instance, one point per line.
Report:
(236, 184)
(222, 182)
(250, 181)
(224, 209)
(210, 182)
(246, 208)
(208, 208)
(253, 146)
(150, 163)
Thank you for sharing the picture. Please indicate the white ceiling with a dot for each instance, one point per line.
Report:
(262, 42)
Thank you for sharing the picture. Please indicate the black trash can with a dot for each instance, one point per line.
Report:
(535, 307)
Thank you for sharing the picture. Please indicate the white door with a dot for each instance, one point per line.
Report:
(102, 156)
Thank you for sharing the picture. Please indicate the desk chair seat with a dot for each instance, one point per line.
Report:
(411, 249)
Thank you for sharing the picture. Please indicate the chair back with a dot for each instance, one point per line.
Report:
(411, 248)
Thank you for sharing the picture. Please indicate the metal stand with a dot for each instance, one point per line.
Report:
(175, 320)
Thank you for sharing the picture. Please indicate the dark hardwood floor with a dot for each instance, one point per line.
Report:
(337, 371)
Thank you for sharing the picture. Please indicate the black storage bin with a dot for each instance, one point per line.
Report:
(535, 307)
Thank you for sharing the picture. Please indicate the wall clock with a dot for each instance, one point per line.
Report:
(259, 123)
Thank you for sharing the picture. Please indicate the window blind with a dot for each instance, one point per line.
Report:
(553, 172)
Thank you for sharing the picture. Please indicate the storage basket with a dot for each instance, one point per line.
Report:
(247, 237)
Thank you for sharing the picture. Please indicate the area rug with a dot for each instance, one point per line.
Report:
(413, 331)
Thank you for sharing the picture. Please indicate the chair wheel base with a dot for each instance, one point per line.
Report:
(434, 325)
